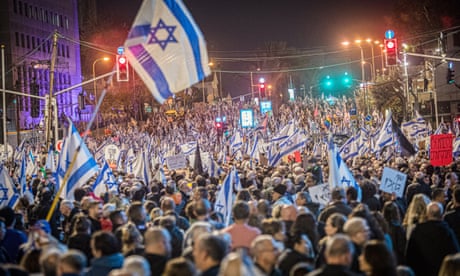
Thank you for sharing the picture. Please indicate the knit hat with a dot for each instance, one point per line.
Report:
(280, 189)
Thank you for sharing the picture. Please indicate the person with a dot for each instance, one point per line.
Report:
(81, 236)
(279, 195)
(138, 216)
(13, 238)
(242, 234)
(377, 260)
(157, 248)
(424, 256)
(131, 240)
(138, 265)
(450, 265)
(265, 254)
(106, 252)
(337, 205)
(237, 263)
(358, 231)
(452, 217)
(208, 253)
(419, 186)
(68, 211)
(334, 225)
(301, 252)
(396, 231)
(180, 267)
(304, 199)
(95, 214)
(416, 213)
(339, 256)
(49, 260)
(71, 263)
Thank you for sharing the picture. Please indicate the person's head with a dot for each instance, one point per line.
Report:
(302, 244)
(236, 264)
(456, 196)
(49, 260)
(66, 207)
(278, 191)
(118, 217)
(240, 210)
(334, 224)
(288, 212)
(434, 211)
(179, 267)
(209, 250)
(195, 230)
(130, 237)
(390, 212)
(136, 213)
(275, 228)
(338, 194)
(72, 262)
(8, 214)
(358, 230)
(439, 195)
(417, 209)
(104, 244)
(81, 224)
(167, 204)
(107, 209)
(450, 265)
(376, 259)
(157, 240)
(264, 251)
(339, 250)
(95, 210)
(302, 198)
(201, 208)
(137, 264)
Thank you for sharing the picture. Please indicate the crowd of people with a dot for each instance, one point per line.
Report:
(171, 227)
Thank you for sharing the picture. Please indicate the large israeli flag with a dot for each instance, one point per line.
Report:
(415, 128)
(339, 174)
(8, 193)
(293, 143)
(350, 148)
(83, 168)
(166, 48)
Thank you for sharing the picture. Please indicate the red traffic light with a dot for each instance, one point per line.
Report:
(218, 125)
(122, 60)
(262, 85)
(390, 44)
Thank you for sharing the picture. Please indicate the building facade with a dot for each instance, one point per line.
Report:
(27, 29)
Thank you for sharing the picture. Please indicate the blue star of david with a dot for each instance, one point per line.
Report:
(344, 180)
(163, 43)
(389, 130)
(4, 194)
(346, 150)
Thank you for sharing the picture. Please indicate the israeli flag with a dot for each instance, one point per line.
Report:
(166, 48)
(105, 181)
(22, 175)
(385, 136)
(349, 149)
(8, 193)
(225, 197)
(284, 133)
(339, 174)
(236, 143)
(416, 127)
(83, 168)
(188, 148)
(31, 167)
(456, 147)
(50, 160)
(288, 146)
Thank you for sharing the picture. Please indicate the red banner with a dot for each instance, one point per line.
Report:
(441, 149)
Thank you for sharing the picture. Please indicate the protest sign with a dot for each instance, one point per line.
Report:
(393, 181)
(441, 149)
(111, 154)
(176, 162)
(320, 194)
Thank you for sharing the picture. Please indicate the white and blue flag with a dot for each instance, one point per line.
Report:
(8, 193)
(415, 128)
(105, 181)
(339, 174)
(166, 48)
(225, 197)
(350, 148)
(83, 168)
(385, 136)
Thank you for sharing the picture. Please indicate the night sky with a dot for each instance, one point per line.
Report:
(242, 25)
(239, 27)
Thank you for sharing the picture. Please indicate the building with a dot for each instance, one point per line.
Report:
(27, 29)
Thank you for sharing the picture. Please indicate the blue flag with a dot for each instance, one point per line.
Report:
(339, 174)
(225, 197)
(166, 48)
(105, 181)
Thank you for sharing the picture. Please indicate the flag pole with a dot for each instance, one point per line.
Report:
(64, 182)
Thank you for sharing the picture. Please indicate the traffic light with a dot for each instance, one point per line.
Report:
(391, 48)
(122, 68)
(346, 80)
(262, 90)
(81, 101)
(450, 78)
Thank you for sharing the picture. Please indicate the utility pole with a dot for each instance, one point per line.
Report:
(5, 148)
(49, 107)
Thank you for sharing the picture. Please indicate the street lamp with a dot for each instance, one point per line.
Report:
(363, 79)
(95, 87)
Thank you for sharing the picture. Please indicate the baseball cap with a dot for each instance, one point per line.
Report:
(44, 225)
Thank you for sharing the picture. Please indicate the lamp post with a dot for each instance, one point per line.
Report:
(95, 86)
(373, 56)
